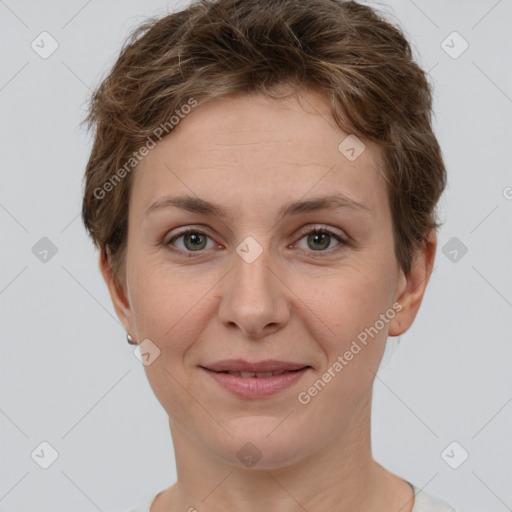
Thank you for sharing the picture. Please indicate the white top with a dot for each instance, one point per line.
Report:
(423, 502)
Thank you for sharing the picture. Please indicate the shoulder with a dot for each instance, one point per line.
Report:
(144, 507)
(425, 502)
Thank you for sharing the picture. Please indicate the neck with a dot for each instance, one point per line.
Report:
(341, 476)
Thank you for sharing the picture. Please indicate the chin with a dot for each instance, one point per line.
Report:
(261, 443)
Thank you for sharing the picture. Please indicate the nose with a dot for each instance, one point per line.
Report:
(254, 298)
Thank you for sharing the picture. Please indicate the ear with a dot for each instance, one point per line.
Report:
(117, 294)
(411, 289)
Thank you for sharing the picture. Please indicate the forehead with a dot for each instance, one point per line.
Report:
(251, 148)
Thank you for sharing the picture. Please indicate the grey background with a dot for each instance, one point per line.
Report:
(69, 378)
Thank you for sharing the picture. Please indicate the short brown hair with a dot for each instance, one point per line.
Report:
(349, 52)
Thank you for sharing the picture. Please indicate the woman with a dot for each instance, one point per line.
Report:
(262, 189)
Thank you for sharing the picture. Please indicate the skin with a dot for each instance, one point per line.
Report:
(251, 155)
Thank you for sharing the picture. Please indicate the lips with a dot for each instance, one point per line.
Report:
(259, 369)
(255, 384)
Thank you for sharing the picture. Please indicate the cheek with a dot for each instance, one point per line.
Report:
(154, 298)
(168, 311)
(168, 307)
(342, 321)
(345, 304)
(346, 322)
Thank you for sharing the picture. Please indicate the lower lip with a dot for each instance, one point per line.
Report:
(254, 387)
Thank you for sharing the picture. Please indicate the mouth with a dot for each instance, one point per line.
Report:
(269, 366)
(256, 384)
(258, 375)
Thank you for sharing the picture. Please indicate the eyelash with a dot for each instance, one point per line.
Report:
(313, 231)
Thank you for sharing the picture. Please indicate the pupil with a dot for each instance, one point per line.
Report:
(323, 235)
(195, 237)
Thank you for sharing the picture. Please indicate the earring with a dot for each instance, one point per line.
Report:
(130, 340)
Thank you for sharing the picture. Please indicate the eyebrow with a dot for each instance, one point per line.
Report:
(201, 206)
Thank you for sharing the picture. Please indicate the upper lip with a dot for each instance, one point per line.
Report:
(239, 365)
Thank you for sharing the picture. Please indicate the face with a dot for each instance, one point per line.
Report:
(263, 276)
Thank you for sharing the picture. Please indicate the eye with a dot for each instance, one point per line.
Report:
(193, 239)
(319, 239)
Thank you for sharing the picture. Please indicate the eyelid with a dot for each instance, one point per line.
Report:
(322, 227)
